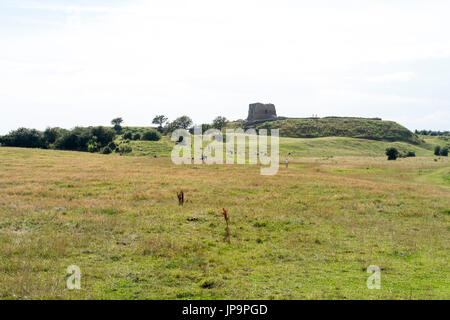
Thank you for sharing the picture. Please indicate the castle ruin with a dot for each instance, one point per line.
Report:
(261, 112)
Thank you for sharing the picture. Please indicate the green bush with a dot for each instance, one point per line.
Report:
(24, 138)
(112, 145)
(151, 135)
(104, 135)
(444, 152)
(106, 150)
(52, 134)
(411, 154)
(137, 136)
(124, 148)
(437, 150)
(92, 145)
(72, 140)
(89, 139)
(128, 135)
(392, 153)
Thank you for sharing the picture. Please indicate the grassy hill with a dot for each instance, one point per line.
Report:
(302, 147)
(342, 146)
(342, 127)
(433, 141)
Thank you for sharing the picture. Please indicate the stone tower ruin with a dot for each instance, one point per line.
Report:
(261, 112)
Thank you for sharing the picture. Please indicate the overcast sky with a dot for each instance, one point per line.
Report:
(68, 63)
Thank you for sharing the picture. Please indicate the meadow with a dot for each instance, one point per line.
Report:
(309, 232)
(307, 147)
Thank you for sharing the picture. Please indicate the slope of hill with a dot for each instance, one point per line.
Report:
(342, 146)
(342, 127)
(301, 147)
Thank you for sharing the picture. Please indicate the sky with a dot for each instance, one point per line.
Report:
(67, 63)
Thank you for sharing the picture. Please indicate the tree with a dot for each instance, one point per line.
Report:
(437, 150)
(68, 141)
(444, 152)
(160, 120)
(116, 121)
(392, 153)
(51, 135)
(104, 135)
(117, 124)
(205, 127)
(183, 122)
(24, 138)
(219, 122)
(85, 139)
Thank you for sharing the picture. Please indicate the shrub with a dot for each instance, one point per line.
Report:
(444, 152)
(137, 136)
(112, 145)
(128, 135)
(51, 135)
(411, 154)
(106, 150)
(68, 141)
(89, 139)
(151, 135)
(392, 153)
(24, 138)
(124, 148)
(92, 145)
(104, 135)
(437, 150)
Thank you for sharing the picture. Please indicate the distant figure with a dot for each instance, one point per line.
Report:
(287, 163)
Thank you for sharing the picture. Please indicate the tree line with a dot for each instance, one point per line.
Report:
(100, 138)
(432, 133)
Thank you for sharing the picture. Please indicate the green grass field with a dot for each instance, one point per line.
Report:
(309, 232)
(298, 147)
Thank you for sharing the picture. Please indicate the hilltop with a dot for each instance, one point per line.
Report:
(362, 128)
